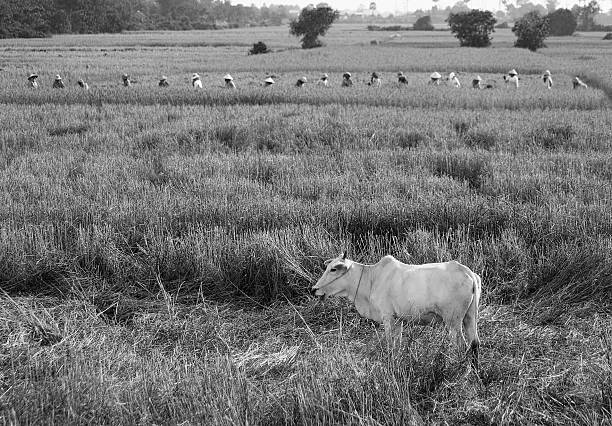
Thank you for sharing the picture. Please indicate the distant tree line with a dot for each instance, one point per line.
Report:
(473, 28)
(40, 18)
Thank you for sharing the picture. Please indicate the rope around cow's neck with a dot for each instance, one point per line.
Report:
(359, 283)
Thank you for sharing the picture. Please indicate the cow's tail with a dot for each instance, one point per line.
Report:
(472, 320)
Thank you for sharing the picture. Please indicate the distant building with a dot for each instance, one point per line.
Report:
(294, 11)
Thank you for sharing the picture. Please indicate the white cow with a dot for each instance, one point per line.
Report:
(433, 292)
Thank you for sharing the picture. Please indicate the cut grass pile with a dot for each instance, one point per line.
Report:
(314, 364)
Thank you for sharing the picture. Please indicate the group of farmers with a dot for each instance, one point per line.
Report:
(435, 79)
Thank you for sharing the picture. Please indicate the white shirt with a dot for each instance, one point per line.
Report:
(514, 80)
(197, 83)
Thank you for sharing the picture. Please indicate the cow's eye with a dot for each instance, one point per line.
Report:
(333, 269)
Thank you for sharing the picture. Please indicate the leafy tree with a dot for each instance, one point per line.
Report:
(522, 8)
(586, 15)
(37, 18)
(472, 28)
(312, 23)
(562, 22)
(460, 6)
(423, 24)
(531, 31)
(24, 18)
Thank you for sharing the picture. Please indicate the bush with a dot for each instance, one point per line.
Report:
(608, 36)
(423, 24)
(473, 28)
(259, 47)
(562, 22)
(531, 31)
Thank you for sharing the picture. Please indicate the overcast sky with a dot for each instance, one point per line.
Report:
(403, 5)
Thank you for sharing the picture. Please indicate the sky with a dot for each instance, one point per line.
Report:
(403, 5)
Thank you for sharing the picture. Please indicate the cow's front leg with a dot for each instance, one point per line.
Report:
(388, 322)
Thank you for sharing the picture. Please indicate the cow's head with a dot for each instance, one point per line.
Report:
(334, 282)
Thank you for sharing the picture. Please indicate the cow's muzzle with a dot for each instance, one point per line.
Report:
(318, 292)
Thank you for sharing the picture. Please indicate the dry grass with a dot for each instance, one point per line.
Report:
(157, 247)
(221, 365)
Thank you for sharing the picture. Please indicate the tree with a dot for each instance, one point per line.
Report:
(423, 24)
(562, 22)
(25, 18)
(373, 7)
(472, 28)
(460, 6)
(515, 13)
(585, 15)
(531, 31)
(312, 23)
(551, 5)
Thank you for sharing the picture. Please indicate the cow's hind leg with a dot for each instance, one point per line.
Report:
(471, 336)
(455, 335)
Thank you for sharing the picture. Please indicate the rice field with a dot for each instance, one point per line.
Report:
(158, 245)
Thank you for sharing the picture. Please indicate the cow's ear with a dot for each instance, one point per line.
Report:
(344, 255)
(327, 262)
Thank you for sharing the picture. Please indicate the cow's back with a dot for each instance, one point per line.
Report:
(417, 290)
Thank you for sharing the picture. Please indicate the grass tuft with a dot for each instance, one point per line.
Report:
(461, 127)
(479, 139)
(408, 140)
(70, 129)
(463, 167)
(554, 137)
